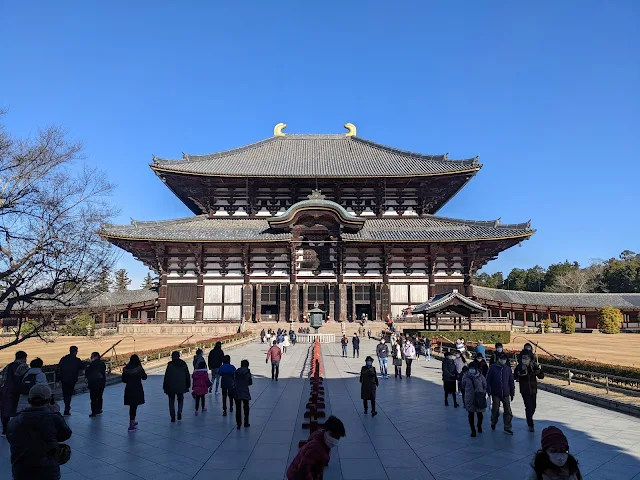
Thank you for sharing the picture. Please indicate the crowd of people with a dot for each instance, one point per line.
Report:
(28, 403)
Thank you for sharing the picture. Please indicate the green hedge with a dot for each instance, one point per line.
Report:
(489, 337)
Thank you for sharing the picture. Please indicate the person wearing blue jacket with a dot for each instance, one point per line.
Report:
(227, 374)
(501, 388)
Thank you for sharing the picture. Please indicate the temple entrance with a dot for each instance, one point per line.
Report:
(363, 309)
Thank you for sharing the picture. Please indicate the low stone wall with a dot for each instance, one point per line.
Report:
(211, 329)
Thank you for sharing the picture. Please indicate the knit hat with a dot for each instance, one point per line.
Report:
(39, 394)
(175, 355)
(553, 437)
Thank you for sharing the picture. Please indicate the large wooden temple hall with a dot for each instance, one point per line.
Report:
(297, 220)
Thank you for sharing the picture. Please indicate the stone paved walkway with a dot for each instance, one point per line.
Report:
(414, 436)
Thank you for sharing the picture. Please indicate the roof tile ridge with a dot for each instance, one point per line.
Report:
(170, 221)
(485, 223)
(420, 156)
(190, 158)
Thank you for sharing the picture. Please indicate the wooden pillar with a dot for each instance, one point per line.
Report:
(469, 322)
(258, 309)
(425, 320)
(353, 302)
(162, 298)
(294, 312)
(437, 323)
(342, 299)
(283, 290)
(305, 301)
(331, 292)
(199, 298)
(104, 319)
(524, 317)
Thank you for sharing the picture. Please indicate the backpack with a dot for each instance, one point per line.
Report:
(27, 382)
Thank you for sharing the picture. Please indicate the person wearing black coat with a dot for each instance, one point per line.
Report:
(67, 374)
(34, 435)
(10, 380)
(368, 385)
(96, 375)
(216, 355)
(449, 377)
(133, 375)
(243, 381)
(177, 382)
(527, 374)
(355, 342)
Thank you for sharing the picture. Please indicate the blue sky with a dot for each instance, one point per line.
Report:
(546, 93)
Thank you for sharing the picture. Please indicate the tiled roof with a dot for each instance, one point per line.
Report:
(316, 156)
(101, 300)
(581, 300)
(427, 229)
(443, 300)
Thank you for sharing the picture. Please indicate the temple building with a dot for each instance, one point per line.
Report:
(297, 221)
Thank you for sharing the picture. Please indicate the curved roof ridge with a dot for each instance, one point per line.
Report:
(485, 223)
(422, 156)
(187, 158)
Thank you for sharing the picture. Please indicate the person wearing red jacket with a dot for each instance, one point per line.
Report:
(201, 384)
(275, 354)
(314, 455)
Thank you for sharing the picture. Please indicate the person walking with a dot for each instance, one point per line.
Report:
(409, 356)
(176, 383)
(397, 359)
(215, 362)
(449, 377)
(228, 383)
(501, 387)
(480, 349)
(96, 376)
(527, 374)
(553, 460)
(382, 352)
(344, 342)
(67, 374)
(275, 355)
(286, 343)
(494, 356)
(199, 357)
(201, 385)
(475, 396)
(132, 376)
(427, 346)
(484, 368)
(242, 396)
(41, 460)
(263, 334)
(314, 456)
(460, 363)
(10, 381)
(355, 343)
(368, 385)
(34, 376)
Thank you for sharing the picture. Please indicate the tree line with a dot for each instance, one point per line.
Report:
(616, 275)
(119, 280)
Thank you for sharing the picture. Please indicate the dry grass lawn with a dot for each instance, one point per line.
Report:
(622, 349)
(52, 352)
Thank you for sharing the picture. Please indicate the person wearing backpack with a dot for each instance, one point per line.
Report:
(474, 386)
(67, 373)
(33, 377)
(10, 381)
(96, 377)
(34, 437)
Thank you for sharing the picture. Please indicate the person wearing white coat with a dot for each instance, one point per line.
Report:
(39, 379)
(286, 343)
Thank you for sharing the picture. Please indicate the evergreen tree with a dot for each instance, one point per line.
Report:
(122, 280)
(104, 281)
(149, 282)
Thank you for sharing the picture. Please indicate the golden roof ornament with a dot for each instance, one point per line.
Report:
(277, 130)
(316, 195)
(352, 129)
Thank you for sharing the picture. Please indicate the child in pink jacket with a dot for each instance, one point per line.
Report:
(201, 384)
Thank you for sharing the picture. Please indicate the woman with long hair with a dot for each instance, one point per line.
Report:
(553, 460)
(133, 375)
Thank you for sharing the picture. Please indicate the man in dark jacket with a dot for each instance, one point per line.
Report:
(10, 387)
(67, 374)
(34, 435)
(494, 356)
(215, 362)
(501, 387)
(176, 383)
(242, 395)
(228, 376)
(355, 341)
(344, 341)
(527, 374)
(382, 352)
(96, 375)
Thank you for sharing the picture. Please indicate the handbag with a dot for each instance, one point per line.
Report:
(64, 453)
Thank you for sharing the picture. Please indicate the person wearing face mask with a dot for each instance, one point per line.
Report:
(368, 385)
(501, 387)
(527, 374)
(397, 358)
(449, 377)
(553, 461)
(382, 352)
(474, 386)
(314, 456)
(460, 363)
(409, 355)
(494, 357)
(484, 368)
